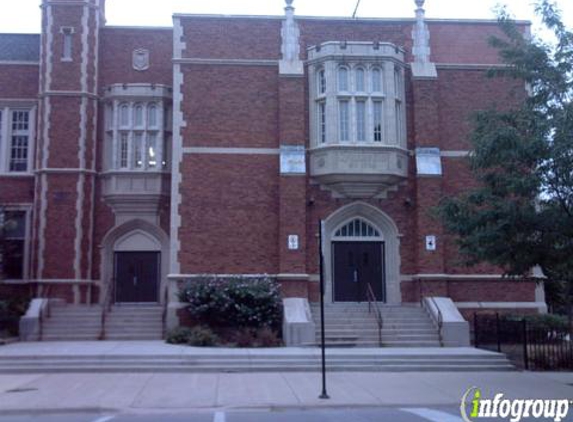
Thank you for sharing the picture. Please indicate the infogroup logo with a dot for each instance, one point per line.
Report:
(474, 407)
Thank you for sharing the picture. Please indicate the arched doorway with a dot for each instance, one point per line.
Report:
(361, 245)
(358, 262)
(135, 263)
(136, 271)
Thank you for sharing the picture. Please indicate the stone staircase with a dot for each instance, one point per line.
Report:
(83, 322)
(134, 322)
(72, 322)
(350, 325)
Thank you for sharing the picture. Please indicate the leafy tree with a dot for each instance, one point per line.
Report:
(521, 213)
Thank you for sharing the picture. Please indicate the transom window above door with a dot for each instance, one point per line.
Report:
(358, 228)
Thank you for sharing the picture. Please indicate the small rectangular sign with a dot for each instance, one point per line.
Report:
(428, 161)
(293, 159)
(293, 242)
(430, 243)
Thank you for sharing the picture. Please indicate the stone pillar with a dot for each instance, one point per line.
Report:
(292, 184)
(66, 158)
(429, 187)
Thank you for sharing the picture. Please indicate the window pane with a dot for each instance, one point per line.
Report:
(344, 120)
(399, 122)
(361, 120)
(322, 122)
(19, 153)
(377, 120)
(321, 81)
(124, 115)
(153, 115)
(138, 150)
(360, 80)
(376, 80)
(15, 233)
(67, 47)
(20, 121)
(398, 83)
(139, 116)
(123, 150)
(152, 150)
(343, 79)
(13, 261)
(15, 224)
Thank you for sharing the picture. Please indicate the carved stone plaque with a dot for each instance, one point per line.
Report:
(141, 59)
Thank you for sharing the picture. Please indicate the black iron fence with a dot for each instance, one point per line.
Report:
(527, 344)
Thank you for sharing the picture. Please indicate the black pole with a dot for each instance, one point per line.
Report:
(525, 345)
(497, 331)
(323, 395)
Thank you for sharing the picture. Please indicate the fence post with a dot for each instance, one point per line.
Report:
(497, 329)
(525, 351)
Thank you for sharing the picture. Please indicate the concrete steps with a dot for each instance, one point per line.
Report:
(123, 322)
(247, 362)
(134, 322)
(351, 325)
(72, 323)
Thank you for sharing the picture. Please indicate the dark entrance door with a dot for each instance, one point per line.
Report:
(136, 276)
(356, 264)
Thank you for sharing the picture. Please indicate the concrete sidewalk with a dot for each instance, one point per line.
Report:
(145, 392)
(177, 392)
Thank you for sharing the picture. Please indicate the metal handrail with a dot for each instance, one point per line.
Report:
(440, 320)
(373, 304)
(164, 314)
(106, 307)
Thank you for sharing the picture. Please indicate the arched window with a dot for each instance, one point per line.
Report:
(360, 78)
(124, 115)
(152, 117)
(321, 80)
(376, 80)
(357, 228)
(138, 115)
(343, 79)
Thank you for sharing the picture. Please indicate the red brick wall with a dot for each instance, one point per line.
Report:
(229, 214)
(116, 56)
(18, 81)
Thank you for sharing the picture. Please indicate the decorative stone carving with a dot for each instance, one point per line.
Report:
(290, 49)
(422, 66)
(141, 59)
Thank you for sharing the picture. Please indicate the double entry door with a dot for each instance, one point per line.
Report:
(137, 277)
(357, 265)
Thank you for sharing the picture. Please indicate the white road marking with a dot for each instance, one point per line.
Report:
(105, 419)
(219, 417)
(433, 415)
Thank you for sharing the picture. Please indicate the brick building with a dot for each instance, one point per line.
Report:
(132, 158)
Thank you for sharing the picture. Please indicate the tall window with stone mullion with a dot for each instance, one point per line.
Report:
(134, 133)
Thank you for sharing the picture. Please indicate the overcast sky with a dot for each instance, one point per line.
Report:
(24, 15)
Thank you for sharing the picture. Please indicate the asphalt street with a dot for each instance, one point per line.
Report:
(382, 414)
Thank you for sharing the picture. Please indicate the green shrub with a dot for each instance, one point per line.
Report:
(14, 306)
(252, 302)
(195, 336)
(178, 335)
(203, 337)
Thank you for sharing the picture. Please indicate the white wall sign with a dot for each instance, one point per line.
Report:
(428, 161)
(293, 159)
(293, 242)
(430, 243)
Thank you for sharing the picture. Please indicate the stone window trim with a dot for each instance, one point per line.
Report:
(17, 138)
(67, 43)
(24, 237)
